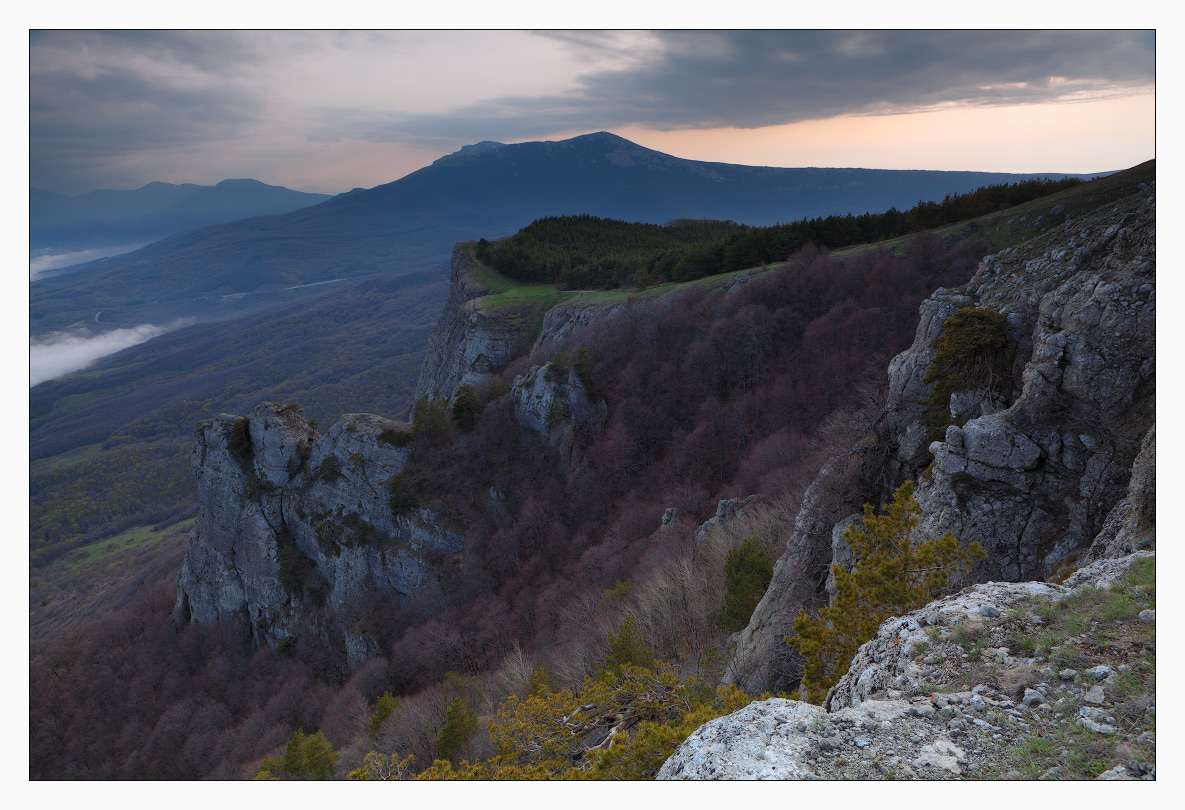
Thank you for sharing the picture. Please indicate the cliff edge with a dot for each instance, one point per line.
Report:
(1031, 457)
(298, 531)
(995, 682)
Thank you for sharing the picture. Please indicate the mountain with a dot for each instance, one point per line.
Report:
(109, 217)
(485, 190)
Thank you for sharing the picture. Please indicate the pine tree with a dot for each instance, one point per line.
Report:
(748, 569)
(305, 757)
(460, 724)
(892, 576)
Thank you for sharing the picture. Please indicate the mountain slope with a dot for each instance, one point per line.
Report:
(1028, 460)
(110, 217)
(486, 190)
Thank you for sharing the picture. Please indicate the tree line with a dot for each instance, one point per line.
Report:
(586, 251)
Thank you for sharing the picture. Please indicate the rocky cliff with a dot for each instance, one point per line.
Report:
(996, 682)
(1034, 460)
(296, 531)
(474, 338)
(299, 532)
(469, 341)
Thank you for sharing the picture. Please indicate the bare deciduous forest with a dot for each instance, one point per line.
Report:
(710, 394)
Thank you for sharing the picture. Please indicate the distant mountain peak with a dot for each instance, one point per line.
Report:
(242, 181)
(481, 146)
(603, 135)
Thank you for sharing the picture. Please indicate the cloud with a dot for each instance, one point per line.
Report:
(63, 355)
(117, 109)
(42, 263)
(751, 79)
(100, 100)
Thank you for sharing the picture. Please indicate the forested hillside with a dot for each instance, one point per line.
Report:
(585, 578)
(710, 394)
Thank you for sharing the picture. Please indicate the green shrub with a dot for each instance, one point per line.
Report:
(627, 647)
(433, 420)
(328, 533)
(467, 407)
(498, 389)
(396, 437)
(583, 368)
(460, 724)
(299, 576)
(556, 412)
(748, 569)
(383, 707)
(257, 487)
(305, 757)
(559, 368)
(974, 352)
(329, 470)
(892, 576)
(403, 494)
(238, 441)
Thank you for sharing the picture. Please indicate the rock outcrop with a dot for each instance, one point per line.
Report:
(296, 530)
(473, 339)
(1132, 523)
(954, 690)
(470, 341)
(1034, 471)
(545, 396)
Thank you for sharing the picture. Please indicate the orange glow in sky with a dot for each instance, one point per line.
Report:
(1082, 137)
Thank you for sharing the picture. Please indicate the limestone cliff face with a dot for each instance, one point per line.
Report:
(468, 341)
(299, 531)
(544, 397)
(1034, 482)
(472, 340)
(294, 528)
(1033, 474)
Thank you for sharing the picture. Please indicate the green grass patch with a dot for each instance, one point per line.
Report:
(508, 293)
(63, 460)
(1141, 577)
(131, 539)
(67, 403)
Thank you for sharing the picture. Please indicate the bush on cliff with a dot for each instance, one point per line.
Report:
(891, 577)
(974, 352)
(467, 407)
(238, 442)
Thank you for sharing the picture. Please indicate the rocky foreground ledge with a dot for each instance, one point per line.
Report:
(1000, 681)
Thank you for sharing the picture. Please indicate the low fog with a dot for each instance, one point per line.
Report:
(64, 354)
(41, 264)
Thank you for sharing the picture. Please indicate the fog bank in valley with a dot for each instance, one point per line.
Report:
(64, 354)
(45, 260)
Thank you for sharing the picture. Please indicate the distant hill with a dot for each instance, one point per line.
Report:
(146, 214)
(484, 190)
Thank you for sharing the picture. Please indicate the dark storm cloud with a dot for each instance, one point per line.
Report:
(761, 78)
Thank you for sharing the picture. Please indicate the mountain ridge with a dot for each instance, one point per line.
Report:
(119, 216)
(487, 191)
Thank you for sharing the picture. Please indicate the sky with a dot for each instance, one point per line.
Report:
(328, 111)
